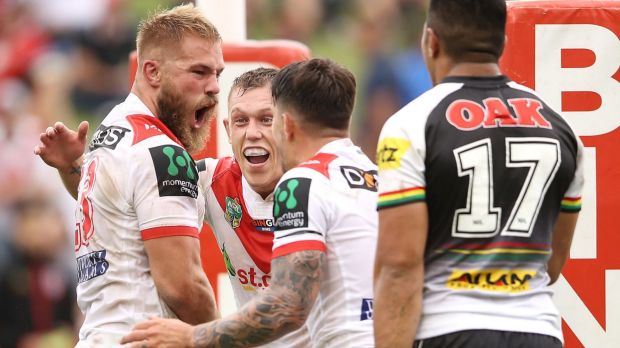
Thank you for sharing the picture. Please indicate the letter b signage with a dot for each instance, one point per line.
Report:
(569, 52)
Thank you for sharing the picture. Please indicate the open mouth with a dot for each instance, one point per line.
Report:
(200, 117)
(256, 155)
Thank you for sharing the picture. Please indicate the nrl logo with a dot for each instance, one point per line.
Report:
(233, 212)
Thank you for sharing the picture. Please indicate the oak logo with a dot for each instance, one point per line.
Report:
(107, 137)
(360, 179)
(468, 115)
(498, 280)
(175, 170)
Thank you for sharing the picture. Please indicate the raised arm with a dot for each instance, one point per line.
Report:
(399, 274)
(179, 278)
(63, 148)
(280, 309)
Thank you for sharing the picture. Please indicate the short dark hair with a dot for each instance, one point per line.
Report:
(470, 30)
(321, 91)
(254, 78)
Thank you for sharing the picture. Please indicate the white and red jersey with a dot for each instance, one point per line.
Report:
(242, 222)
(328, 203)
(137, 183)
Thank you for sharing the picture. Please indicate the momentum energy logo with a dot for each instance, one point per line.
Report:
(290, 207)
(175, 170)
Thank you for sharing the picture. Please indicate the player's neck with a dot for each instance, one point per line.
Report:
(474, 69)
(308, 146)
(147, 98)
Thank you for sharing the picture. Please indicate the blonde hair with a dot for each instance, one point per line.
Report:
(168, 28)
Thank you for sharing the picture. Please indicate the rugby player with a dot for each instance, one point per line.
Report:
(480, 192)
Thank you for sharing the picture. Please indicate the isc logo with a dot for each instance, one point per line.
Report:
(107, 137)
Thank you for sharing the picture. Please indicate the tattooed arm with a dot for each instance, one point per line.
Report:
(280, 309)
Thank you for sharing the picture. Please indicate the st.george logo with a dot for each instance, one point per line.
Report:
(175, 170)
(290, 207)
(233, 212)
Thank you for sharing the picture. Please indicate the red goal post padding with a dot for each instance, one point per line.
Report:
(569, 52)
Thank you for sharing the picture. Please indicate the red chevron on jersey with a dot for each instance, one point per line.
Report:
(320, 162)
(226, 186)
(145, 126)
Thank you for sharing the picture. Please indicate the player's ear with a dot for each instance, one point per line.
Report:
(432, 45)
(227, 126)
(151, 72)
(288, 125)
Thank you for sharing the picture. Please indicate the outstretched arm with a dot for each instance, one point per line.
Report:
(63, 148)
(282, 308)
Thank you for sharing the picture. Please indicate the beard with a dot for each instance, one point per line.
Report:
(173, 111)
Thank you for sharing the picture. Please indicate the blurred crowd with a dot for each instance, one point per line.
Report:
(66, 60)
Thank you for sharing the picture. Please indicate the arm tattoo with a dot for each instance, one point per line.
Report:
(281, 308)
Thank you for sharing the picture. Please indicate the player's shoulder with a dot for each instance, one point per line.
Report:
(131, 124)
(131, 133)
(224, 168)
(315, 167)
(422, 106)
(300, 178)
(418, 111)
(555, 118)
(222, 171)
(206, 166)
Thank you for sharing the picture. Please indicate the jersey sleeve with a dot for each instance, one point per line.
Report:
(400, 158)
(300, 213)
(164, 186)
(571, 202)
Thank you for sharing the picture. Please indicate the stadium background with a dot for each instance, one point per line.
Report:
(67, 60)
